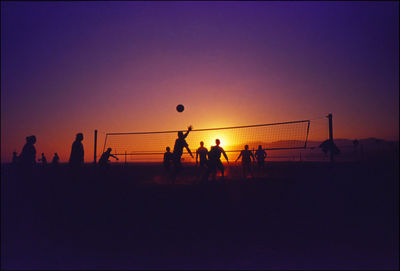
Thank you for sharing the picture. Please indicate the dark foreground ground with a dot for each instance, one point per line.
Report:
(295, 216)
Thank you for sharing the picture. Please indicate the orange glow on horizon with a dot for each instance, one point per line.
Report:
(225, 139)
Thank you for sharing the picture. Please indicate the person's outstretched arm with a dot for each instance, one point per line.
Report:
(186, 134)
(252, 156)
(189, 151)
(114, 156)
(226, 157)
(240, 155)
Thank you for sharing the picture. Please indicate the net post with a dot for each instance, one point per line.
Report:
(105, 142)
(331, 136)
(95, 146)
(308, 132)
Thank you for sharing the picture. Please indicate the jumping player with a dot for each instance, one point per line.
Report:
(180, 143)
(246, 161)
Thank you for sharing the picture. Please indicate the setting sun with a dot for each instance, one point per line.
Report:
(224, 138)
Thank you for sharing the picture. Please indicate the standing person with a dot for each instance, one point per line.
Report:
(214, 160)
(14, 158)
(55, 160)
(180, 143)
(104, 159)
(246, 161)
(27, 158)
(201, 153)
(167, 158)
(77, 153)
(44, 160)
(260, 156)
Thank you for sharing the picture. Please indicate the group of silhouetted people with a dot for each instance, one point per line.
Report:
(209, 160)
(27, 157)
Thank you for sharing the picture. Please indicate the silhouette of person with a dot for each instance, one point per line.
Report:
(246, 161)
(180, 143)
(77, 153)
(14, 158)
(27, 158)
(43, 159)
(260, 156)
(167, 158)
(55, 160)
(201, 153)
(104, 159)
(214, 159)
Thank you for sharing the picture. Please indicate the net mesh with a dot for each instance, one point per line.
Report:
(150, 146)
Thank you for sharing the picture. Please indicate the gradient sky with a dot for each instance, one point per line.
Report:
(74, 67)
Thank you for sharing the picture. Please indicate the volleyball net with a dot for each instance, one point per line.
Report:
(150, 146)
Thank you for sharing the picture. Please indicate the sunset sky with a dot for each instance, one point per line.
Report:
(69, 67)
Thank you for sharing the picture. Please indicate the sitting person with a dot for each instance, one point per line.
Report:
(103, 161)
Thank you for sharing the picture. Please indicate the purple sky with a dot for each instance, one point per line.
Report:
(123, 66)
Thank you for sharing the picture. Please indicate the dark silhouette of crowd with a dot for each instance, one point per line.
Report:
(209, 161)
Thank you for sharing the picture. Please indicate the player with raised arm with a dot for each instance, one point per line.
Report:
(246, 161)
(180, 143)
(214, 159)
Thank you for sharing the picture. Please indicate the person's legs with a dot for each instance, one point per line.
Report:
(212, 169)
(250, 170)
(177, 167)
(221, 168)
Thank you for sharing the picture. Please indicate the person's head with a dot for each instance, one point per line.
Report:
(201, 143)
(31, 139)
(217, 142)
(168, 149)
(246, 147)
(259, 147)
(55, 154)
(15, 153)
(180, 134)
(42, 154)
(109, 150)
(79, 137)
